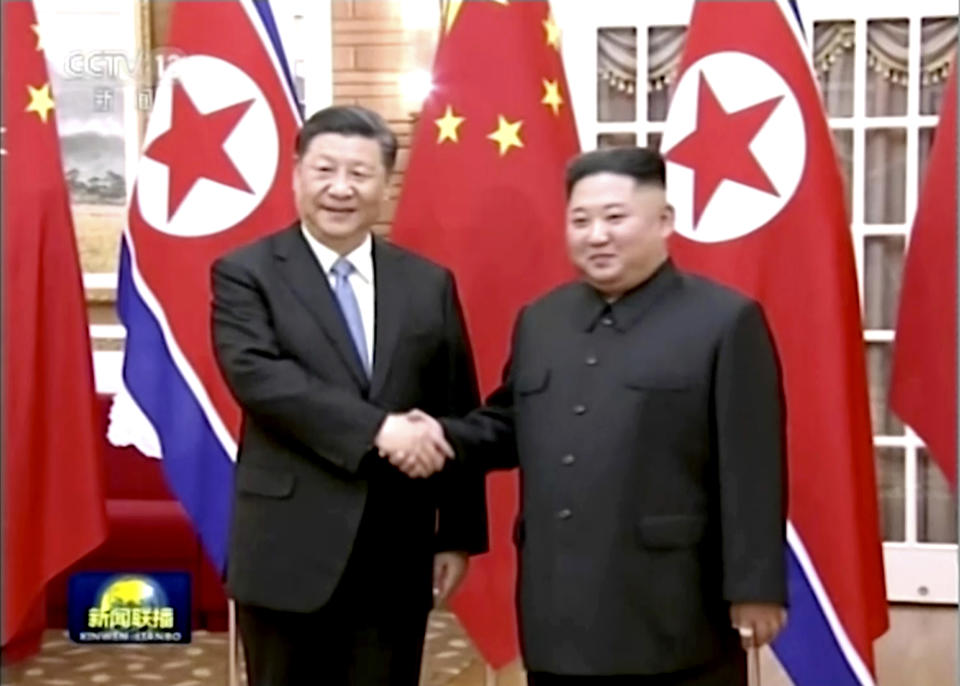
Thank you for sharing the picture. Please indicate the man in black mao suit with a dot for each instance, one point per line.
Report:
(324, 334)
(643, 406)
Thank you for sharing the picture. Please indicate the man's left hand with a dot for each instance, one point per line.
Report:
(448, 571)
(758, 623)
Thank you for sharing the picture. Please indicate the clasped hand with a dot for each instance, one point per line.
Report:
(414, 443)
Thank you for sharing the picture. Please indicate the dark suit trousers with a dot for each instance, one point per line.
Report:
(731, 670)
(370, 632)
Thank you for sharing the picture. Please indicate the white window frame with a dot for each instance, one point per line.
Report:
(306, 29)
(915, 572)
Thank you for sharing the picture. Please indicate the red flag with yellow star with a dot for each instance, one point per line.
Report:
(53, 496)
(483, 195)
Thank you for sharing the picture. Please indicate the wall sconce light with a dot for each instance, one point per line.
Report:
(419, 15)
(421, 23)
(415, 86)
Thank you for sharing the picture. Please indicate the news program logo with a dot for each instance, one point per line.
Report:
(130, 608)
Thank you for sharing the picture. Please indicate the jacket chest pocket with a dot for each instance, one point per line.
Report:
(660, 382)
(671, 410)
(532, 382)
(534, 413)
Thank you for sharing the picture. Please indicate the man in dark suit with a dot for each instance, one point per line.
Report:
(643, 406)
(324, 334)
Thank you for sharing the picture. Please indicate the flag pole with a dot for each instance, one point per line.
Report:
(232, 652)
(490, 675)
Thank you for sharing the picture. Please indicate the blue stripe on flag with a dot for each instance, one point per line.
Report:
(796, 14)
(270, 25)
(807, 647)
(197, 467)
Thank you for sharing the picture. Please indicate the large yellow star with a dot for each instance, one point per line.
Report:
(36, 30)
(551, 95)
(507, 134)
(448, 125)
(40, 101)
(553, 31)
(451, 8)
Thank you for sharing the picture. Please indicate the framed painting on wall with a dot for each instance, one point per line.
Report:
(100, 63)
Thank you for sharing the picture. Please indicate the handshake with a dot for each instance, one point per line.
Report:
(414, 443)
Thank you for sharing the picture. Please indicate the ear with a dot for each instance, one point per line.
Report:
(295, 173)
(667, 216)
(385, 189)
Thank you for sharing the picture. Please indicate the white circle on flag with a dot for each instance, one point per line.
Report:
(209, 207)
(738, 81)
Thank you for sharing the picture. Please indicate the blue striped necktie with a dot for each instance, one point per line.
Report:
(342, 269)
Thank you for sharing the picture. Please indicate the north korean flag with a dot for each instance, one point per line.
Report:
(759, 200)
(215, 173)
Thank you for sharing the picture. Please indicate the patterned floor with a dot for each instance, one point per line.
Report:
(448, 653)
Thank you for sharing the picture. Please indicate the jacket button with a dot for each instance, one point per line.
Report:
(568, 459)
(591, 360)
(565, 513)
(607, 321)
(579, 409)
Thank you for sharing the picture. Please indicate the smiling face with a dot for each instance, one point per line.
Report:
(340, 184)
(617, 231)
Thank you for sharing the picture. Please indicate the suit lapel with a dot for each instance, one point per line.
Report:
(390, 301)
(306, 279)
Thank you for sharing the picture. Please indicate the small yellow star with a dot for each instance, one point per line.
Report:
(448, 125)
(551, 95)
(507, 134)
(36, 30)
(553, 31)
(40, 101)
(451, 8)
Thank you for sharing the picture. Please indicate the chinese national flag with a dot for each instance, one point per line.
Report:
(53, 499)
(924, 380)
(484, 196)
(759, 206)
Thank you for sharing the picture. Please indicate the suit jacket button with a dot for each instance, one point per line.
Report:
(565, 513)
(579, 409)
(607, 321)
(568, 459)
(591, 360)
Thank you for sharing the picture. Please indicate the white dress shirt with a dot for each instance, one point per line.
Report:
(360, 279)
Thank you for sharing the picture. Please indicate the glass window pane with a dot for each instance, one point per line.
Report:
(936, 503)
(843, 144)
(613, 140)
(879, 359)
(665, 48)
(300, 81)
(887, 67)
(886, 176)
(938, 45)
(891, 493)
(653, 140)
(882, 268)
(617, 74)
(833, 58)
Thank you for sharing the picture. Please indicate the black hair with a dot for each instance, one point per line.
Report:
(350, 120)
(644, 165)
